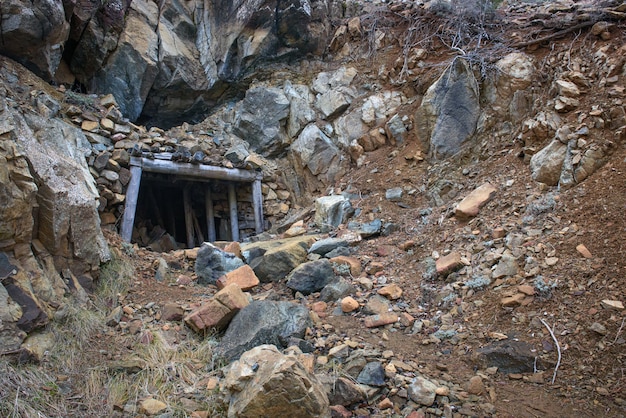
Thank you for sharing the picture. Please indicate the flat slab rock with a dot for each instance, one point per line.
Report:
(471, 204)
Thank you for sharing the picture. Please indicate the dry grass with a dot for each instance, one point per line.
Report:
(69, 382)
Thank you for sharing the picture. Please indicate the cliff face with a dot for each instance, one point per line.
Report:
(166, 62)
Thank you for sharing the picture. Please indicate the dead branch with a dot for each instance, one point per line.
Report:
(558, 349)
(553, 35)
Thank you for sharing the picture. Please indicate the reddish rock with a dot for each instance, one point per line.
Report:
(449, 263)
(498, 233)
(583, 251)
(373, 321)
(407, 319)
(385, 404)
(392, 291)
(407, 245)
(416, 414)
(471, 204)
(172, 312)
(526, 289)
(352, 262)
(218, 312)
(339, 411)
(243, 277)
(233, 247)
(514, 300)
(349, 304)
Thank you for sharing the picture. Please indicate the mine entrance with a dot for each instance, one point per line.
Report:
(182, 204)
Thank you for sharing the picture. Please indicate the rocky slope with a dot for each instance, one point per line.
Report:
(468, 247)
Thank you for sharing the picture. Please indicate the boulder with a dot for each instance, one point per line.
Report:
(509, 356)
(218, 311)
(266, 383)
(212, 263)
(300, 111)
(449, 112)
(258, 120)
(315, 152)
(34, 33)
(546, 165)
(332, 211)
(263, 322)
(243, 277)
(422, 391)
(341, 390)
(311, 277)
(279, 261)
(326, 245)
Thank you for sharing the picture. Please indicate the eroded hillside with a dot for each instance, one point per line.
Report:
(401, 293)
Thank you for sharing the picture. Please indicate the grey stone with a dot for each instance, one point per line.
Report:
(237, 154)
(507, 266)
(377, 305)
(342, 391)
(372, 374)
(394, 195)
(396, 130)
(449, 112)
(546, 165)
(366, 230)
(311, 277)
(422, 391)
(326, 245)
(332, 211)
(313, 150)
(336, 290)
(212, 263)
(258, 120)
(509, 356)
(263, 322)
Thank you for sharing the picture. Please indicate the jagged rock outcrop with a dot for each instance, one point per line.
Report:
(49, 222)
(449, 112)
(165, 62)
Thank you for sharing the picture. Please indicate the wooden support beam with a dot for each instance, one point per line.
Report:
(188, 216)
(130, 207)
(199, 233)
(232, 204)
(210, 215)
(257, 205)
(155, 207)
(194, 170)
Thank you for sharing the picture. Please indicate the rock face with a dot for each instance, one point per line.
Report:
(263, 322)
(266, 383)
(144, 51)
(449, 112)
(49, 221)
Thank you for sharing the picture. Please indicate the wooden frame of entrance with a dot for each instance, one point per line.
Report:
(194, 171)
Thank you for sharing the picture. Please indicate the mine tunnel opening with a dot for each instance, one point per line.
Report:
(173, 205)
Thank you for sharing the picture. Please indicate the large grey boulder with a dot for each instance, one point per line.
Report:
(546, 165)
(259, 119)
(263, 322)
(311, 277)
(332, 211)
(315, 154)
(300, 111)
(212, 263)
(449, 112)
(266, 383)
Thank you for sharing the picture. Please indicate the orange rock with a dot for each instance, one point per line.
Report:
(471, 204)
(243, 276)
(498, 232)
(514, 300)
(353, 262)
(449, 263)
(349, 304)
(374, 267)
(373, 321)
(526, 289)
(392, 291)
(583, 251)
(218, 312)
(233, 247)
(385, 404)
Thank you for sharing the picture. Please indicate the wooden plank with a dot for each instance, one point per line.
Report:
(130, 208)
(232, 204)
(257, 206)
(188, 216)
(210, 215)
(195, 170)
(196, 226)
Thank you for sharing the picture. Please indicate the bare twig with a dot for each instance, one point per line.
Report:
(619, 331)
(558, 349)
